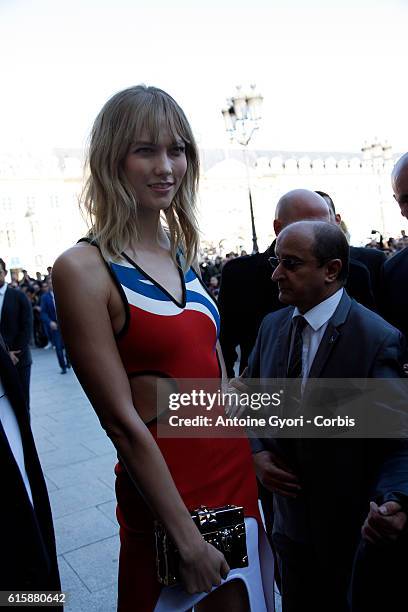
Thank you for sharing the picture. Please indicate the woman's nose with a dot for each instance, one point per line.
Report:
(163, 164)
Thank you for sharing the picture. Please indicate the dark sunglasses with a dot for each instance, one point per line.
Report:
(291, 263)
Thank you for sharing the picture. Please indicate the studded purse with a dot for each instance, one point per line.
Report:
(222, 527)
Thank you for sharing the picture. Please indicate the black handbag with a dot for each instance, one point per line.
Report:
(222, 527)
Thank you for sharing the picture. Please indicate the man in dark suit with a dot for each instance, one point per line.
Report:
(48, 316)
(16, 327)
(326, 491)
(394, 306)
(372, 258)
(28, 559)
(247, 293)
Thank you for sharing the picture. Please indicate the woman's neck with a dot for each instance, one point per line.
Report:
(152, 236)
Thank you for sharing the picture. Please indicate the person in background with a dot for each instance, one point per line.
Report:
(49, 318)
(213, 286)
(372, 258)
(247, 292)
(394, 305)
(16, 327)
(26, 281)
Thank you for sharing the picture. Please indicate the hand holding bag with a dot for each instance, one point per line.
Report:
(222, 527)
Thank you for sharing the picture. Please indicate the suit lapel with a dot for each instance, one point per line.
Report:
(330, 336)
(4, 310)
(282, 349)
(323, 352)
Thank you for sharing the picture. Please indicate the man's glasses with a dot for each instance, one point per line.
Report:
(291, 263)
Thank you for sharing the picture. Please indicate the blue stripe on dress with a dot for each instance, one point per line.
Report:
(190, 275)
(134, 280)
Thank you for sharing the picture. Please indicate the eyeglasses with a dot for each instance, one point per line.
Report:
(291, 263)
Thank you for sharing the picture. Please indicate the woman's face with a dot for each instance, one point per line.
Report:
(156, 170)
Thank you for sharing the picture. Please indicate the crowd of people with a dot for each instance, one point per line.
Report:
(34, 289)
(29, 320)
(211, 265)
(135, 309)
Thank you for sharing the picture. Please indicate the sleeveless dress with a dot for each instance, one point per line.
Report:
(177, 340)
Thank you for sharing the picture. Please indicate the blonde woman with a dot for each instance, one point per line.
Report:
(132, 309)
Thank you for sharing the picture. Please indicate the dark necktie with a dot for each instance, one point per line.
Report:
(295, 359)
(2, 343)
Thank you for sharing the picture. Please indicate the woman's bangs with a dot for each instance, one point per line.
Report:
(155, 115)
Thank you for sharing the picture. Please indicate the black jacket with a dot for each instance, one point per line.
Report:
(27, 553)
(16, 325)
(394, 302)
(374, 260)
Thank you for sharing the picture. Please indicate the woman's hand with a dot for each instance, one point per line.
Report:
(202, 567)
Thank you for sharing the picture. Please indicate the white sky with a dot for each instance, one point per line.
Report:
(332, 73)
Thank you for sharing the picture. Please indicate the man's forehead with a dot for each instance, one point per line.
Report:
(294, 240)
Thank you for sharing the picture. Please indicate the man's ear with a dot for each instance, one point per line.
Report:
(338, 218)
(333, 269)
(277, 226)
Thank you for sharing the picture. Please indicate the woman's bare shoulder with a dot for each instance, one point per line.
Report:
(82, 261)
(80, 257)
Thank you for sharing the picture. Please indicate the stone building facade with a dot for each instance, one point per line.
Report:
(40, 215)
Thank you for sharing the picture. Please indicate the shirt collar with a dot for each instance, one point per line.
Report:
(3, 289)
(321, 313)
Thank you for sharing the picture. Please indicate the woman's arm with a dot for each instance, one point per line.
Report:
(83, 291)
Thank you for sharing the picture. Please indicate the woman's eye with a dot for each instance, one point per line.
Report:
(179, 149)
(143, 150)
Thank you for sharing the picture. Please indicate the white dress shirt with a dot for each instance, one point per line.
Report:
(12, 430)
(317, 319)
(3, 290)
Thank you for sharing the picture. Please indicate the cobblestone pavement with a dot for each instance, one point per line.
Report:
(78, 460)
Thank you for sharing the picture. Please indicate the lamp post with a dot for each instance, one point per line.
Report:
(377, 155)
(241, 116)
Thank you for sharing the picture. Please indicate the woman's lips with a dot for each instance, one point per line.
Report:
(161, 187)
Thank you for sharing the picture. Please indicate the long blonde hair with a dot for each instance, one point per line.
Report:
(108, 198)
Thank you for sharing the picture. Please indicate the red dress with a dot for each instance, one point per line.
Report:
(175, 340)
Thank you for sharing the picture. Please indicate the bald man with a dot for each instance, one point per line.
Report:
(299, 204)
(373, 259)
(395, 282)
(247, 293)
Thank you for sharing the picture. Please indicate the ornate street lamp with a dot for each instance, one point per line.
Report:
(377, 155)
(241, 116)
